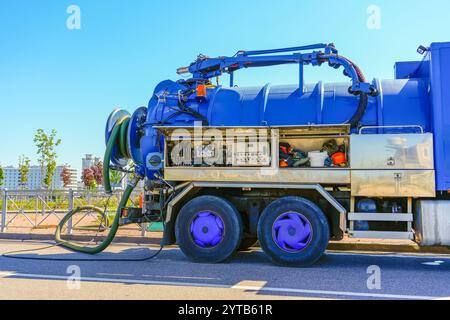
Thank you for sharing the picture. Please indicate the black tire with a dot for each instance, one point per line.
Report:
(247, 243)
(318, 242)
(232, 233)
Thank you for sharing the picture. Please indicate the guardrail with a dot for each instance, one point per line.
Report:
(38, 207)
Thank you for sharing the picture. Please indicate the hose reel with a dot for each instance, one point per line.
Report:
(128, 146)
(122, 135)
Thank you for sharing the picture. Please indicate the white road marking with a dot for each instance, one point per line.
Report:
(115, 274)
(250, 284)
(391, 255)
(6, 274)
(222, 286)
(179, 277)
(435, 263)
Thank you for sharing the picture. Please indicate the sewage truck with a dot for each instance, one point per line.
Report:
(290, 166)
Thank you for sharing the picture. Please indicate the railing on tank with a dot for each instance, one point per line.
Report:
(44, 209)
(380, 129)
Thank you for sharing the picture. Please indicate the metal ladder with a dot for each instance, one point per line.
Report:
(381, 217)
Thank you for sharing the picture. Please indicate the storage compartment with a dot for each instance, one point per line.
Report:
(392, 151)
(219, 154)
(309, 152)
(393, 183)
(219, 148)
(311, 146)
(236, 158)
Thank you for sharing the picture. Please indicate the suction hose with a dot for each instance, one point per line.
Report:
(363, 98)
(362, 106)
(118, 137)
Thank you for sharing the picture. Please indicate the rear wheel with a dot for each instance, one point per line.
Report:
(209, 229)
(293, 231)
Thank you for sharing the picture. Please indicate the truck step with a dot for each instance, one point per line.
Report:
(396, 217)
(382, 235)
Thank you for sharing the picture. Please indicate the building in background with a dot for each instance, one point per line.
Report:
(11, 178)
(35, 177)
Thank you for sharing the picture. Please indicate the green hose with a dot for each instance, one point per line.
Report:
(116, 136)
(123, 137)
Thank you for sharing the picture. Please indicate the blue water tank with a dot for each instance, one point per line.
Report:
(400, 102)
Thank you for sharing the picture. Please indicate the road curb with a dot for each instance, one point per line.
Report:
(334, 246)
(50, 237)
(394, 248)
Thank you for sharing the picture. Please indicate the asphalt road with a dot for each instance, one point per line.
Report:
(250, 275)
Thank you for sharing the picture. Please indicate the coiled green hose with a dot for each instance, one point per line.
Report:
(118, 137)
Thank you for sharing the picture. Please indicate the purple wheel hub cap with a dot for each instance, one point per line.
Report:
(207, 229)
(292, 232)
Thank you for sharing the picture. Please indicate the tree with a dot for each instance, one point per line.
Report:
(47, 155)
(66, 176)
(93, 176)
(88, 178)
(116, 177)
(24, 170)
(97, 169)
(2, 176)
(49, 173)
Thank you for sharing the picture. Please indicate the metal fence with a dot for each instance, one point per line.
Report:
(37, 209)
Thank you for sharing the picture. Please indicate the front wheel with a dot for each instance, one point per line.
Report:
(209, 229)
(293, 231)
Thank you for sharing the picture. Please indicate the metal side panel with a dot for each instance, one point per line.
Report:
(392, 151)
(288, 130)
(382, 235)
(433, 222)
(396, 217)
(268, 175)
(393, 183)
(440, 117)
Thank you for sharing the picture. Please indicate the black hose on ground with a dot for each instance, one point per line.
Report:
(117, 138)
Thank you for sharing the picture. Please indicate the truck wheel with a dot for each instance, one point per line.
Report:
(209, 229)
(247, 243)
(293, 231)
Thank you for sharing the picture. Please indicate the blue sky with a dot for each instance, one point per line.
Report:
(70, 80)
